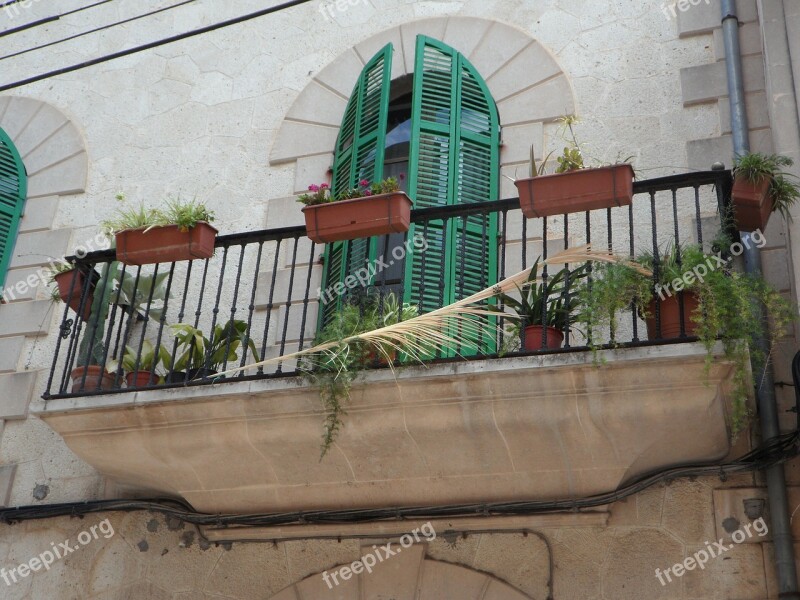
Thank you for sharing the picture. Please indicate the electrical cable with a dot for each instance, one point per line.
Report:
(103, 28)
(46, 20)
(775, 451)
(156, 44)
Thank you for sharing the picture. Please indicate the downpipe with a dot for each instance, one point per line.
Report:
(764, 380)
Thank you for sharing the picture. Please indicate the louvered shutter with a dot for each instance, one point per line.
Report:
(454, 160)
(13, 190)
(359, 155)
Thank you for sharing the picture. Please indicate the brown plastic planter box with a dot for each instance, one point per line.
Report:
(95, 379)
(165, 244)
(358, 218)
(752, 204)
(576, 191)
(65, 284)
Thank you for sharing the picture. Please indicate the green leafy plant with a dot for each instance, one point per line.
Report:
(726, 309)
(144, 295)
(550, 304)
(322, 194)
(196, 351)
(92, 349)
(756, 167)
(335, 371)
(57, 268)
(185, 215)
(149, 359)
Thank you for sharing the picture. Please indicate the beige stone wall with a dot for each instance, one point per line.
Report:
(204, 117)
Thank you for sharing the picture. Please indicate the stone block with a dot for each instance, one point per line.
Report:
(302, 139)
(703, 16)
(63, 178)
(544, 102)
(311, 169)
(283, 278)
(17, 389)
(702, 154)
(22, 284)
(284, 212)
(775, 267)
(341, 74)
(531, 66)
(749, 40)
(318, 104)
(297, 313)
(25, 318)
(517, 143)
(10, 350)
(730, 516)
(757, 112)
(40, 248)
(707, 83)
(39, 214)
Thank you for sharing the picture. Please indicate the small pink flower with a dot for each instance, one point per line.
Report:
(402, 176)
(313, 188)
(363, 183)
(368, 193)
(324, 186)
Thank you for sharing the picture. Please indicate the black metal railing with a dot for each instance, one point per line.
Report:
(180, 324)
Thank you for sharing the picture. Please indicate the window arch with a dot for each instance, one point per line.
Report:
(442, 126)
(13, 191)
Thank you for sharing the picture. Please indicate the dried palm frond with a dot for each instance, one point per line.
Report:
(431, 333)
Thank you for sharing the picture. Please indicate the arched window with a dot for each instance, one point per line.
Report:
(13, 191)
(440, 128)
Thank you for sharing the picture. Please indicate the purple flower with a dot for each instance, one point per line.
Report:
(402, 176)
(363, 183)
(324, 186)
(313, 188)
(368, 193)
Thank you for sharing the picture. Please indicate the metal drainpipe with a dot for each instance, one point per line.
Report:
(765, 388)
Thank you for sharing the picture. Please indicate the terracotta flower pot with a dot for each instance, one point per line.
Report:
(140, 379)
(358, 218)
(165, 244)
(553, 338)
(95, 376)
(752, 203)
(670, 314)
(64, 281)
(576, 191)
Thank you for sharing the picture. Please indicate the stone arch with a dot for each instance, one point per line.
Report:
(54, 153)
(408, 580)
(51, 147)
(526, 81)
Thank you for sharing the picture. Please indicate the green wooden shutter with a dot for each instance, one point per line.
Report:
(13, 191)
(359, 155)
(454, 160)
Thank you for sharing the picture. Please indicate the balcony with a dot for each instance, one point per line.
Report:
(487, 424)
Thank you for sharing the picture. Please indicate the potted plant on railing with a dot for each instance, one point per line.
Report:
(89, 375)
(367, 210)
(198, 357)
(545, 309)
(574, 187)
(141, 368)
(334, 372)
(147, 236)
(717, 306)
(761, 188)
(71, 285)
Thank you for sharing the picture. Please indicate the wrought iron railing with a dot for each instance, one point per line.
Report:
(257, 297)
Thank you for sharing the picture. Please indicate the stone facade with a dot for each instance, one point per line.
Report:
(244, 118)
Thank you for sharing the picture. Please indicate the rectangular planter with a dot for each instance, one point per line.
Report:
(71, 286)
(752, 204)
(358, 218)
(576, 191)
(165, 244)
